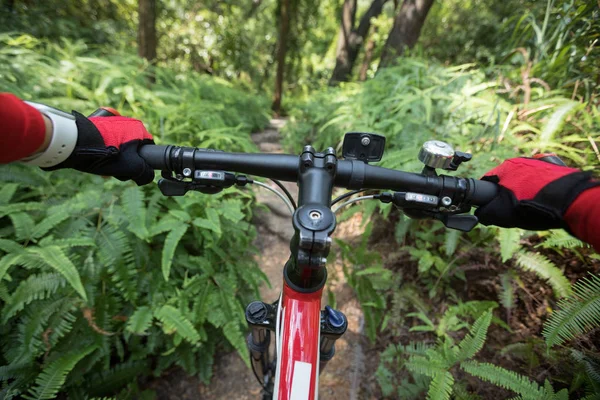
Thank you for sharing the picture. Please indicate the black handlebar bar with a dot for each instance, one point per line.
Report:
(350, 174)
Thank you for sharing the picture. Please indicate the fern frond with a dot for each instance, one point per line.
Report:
(140, 320)
(35, 287)
(561, 239)
(132, 200)
(112, 244)
(52, 220)
(67, 243)
(546, 270)
(54, 257)
(16, 208)
(110, 381)
(49, 382)
(8, 261)
(8, 191)
(167, 223)
(174, 321)
(168, 252)
(10, 246)
(504, 378)
(423, 366)
(577, 314)
(23, 224)
(509, 242)
(441, 386)
(474, 340)
(123, 275)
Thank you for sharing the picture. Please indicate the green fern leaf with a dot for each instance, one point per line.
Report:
(504, 378)
(8, 261)
(35, 287)
(23, 224)
(234, 335)
(140, 320)
(509, 242)
(451, 242)
(112, 380)
(174, 321)
(7, 192)
(49, 382)
(168, 252)
(112, 244)
(474, 340)
(49, 222)
(54, 257)
(422, 365)
(577, 314)
(10, 246)
(20, 207)
(166, 224)
(441, 386)
(132, 200)
(561, 239)
(546, 270)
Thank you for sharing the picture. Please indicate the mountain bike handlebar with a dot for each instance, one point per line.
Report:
(350, 174)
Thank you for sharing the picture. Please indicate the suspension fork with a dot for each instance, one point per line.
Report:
(261, 319)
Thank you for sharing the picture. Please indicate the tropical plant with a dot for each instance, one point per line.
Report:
(99, 277)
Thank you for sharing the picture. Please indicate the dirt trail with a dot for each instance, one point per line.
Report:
(344, 376)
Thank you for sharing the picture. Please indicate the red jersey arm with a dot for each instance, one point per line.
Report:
(583, 217)
(22, 130)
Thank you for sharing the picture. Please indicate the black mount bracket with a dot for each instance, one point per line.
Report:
(363, 146)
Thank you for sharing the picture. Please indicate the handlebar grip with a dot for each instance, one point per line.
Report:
(483, 192)
(154, 155)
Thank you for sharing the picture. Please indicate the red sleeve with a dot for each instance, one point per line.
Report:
(22, 130)
(583, 217)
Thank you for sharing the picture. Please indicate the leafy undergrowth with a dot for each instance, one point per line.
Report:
(474, 283)
(102, 282)
(422, 293)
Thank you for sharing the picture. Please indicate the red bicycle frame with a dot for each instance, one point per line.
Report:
(298, 330)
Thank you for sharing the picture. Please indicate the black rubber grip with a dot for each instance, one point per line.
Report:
(154, 155)
(483, 192)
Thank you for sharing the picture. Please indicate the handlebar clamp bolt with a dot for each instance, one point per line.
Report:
(446, 201)
(315, 215)
(187, 172)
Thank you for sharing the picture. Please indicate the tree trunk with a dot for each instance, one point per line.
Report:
(351, 39)
(147, 30)
(284, 28)
(406, 29)
(342, 58)
(367, 60)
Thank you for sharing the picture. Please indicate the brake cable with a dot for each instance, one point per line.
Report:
(354, 200)
(278, 193)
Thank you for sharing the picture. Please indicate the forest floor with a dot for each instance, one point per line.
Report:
(350, 375)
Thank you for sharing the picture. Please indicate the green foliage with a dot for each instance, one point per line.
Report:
(50, 381)
(545, 269)
(97, 276)
(512, 381)
(577, 313)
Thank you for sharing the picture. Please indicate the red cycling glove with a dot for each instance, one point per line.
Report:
(533, 194)
(109, 146)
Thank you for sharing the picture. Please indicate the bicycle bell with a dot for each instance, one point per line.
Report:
(436, 154)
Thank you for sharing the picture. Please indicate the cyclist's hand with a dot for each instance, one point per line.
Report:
(533, 194)
(108, 146)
